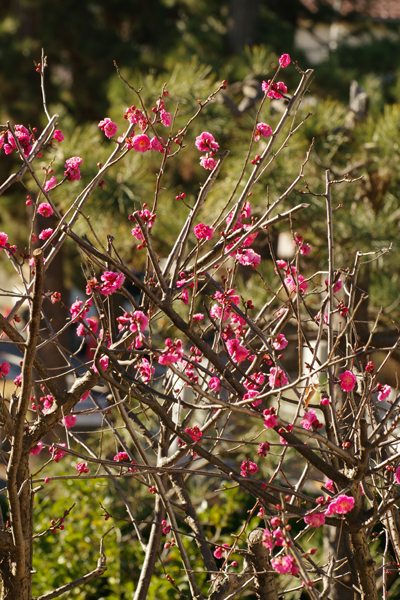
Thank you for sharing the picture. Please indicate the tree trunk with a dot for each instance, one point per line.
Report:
(365, 565)
(12, 587)
(335, 547)
(243, 23)
(53, 282)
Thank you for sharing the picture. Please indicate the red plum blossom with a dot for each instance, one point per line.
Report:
(108, 127)
(347, 381)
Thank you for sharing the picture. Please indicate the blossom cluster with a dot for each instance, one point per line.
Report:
(23, 136)
(205, 142)
(274, 90)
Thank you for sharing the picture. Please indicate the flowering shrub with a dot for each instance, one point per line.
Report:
(210, 396)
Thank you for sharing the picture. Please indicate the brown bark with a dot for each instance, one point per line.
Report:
(151, 557)
(334, 547)
(243, 23)
(54, 281)
(265, 580)
(193, 521)
(364, 564)
(12, 586)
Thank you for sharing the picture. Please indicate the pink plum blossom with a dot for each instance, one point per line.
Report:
(252, 395)
(267, 539)
(121, 457)
(397, 475)
(45, 234)
(156, 145)
(36, 450)
(214, 384)
(82, 467)
(57, 453)
(309, 419)
(111, 282)
(276, 90)
(205, 142)
(277, 377)
(58, 135)
(237, 352)
(23, 137)
(219, 552)
(69, 421)
(341, 505)
(172, 353)
(250, 239)
(281, 264)
(3, 239)
(329, 485)
(77, 307)
(84, 396)
(248, 467)
(370, 368)
(103, 360)
(347, 381)
(108, 127)
(137, 233)
(384, 393)
(270, 420)
(141, 143)
(145, 370)
(278, 536)
(139, 321)
(318, 316)
(284, 60)
(315, 519)
(135, 115)
(92, 324)
(4, 369)
(194, 432)
(256, 379)
(263, 448)
(208, 162)
(280, 342)
(72, 172)
(165, 117)
(337, 286)
(203, 232)
(291, 284)
(248, 258)
(48, 185)
(47, 403)
(44, 209)
(198, 317)
(264, 129)
(324, 400)
(166, 528)
(284, 564)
